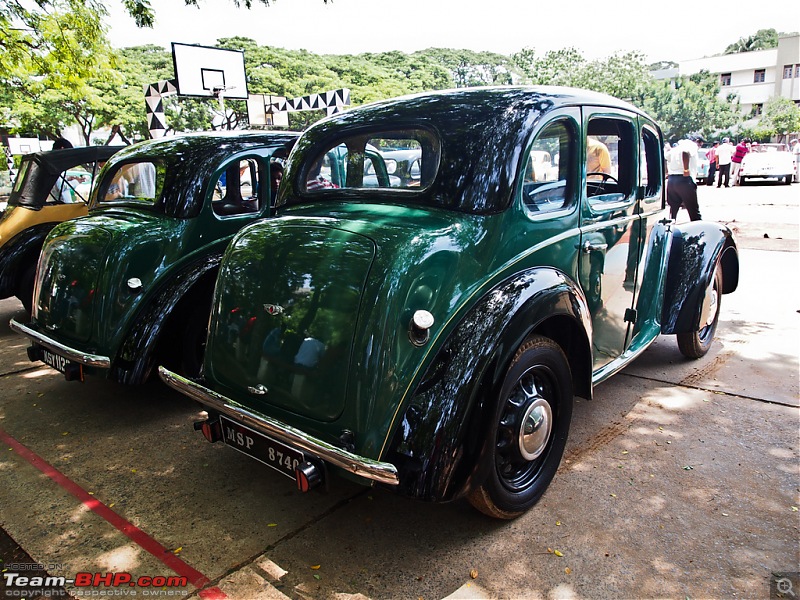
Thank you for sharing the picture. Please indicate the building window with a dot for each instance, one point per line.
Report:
(787, 71)
(725, 79)
(797, 71)
(758, 109)
(758, 75)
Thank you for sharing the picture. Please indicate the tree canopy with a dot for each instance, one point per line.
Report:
(762, 39)
(57, 69)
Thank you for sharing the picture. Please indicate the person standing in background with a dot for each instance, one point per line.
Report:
(682, 176)
(711, 155)
(736, 160)
(724, 155)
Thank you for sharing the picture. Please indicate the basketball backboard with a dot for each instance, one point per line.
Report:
(25, 145)
(203, 72)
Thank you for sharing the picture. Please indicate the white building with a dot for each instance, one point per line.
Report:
(755, 76)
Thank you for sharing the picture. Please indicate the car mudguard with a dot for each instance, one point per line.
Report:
(696, 249)
(19, 252)
(134, 359)
(438, 440)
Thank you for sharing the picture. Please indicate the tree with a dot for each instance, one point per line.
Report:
(557, 67)
(762, 39)
(781, 116)
(688, 105)
(53, 59)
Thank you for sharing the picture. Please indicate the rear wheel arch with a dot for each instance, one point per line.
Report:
(463, 380)
(156, 333)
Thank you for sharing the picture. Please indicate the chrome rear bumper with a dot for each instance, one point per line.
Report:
(84, 358)
(381, 472)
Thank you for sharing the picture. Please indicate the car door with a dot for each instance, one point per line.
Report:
(610, 240)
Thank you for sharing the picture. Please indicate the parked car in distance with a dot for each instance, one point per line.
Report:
(702, 165)
(129, 286)
(767, 161)
(430, 337)
(50, 187)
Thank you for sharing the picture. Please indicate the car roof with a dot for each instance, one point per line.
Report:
(45, 167)
(480, 129)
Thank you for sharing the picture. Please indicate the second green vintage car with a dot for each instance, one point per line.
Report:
(129, 286)
(429, 334)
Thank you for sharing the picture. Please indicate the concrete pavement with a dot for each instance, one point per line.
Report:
(681, 478)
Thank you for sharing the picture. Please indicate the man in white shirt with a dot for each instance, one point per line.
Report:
(724, 154)
(682, 172)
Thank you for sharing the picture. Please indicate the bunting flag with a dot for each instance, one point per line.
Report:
(153, 94)
(332, 102)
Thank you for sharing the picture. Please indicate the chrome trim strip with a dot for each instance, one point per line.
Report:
(381, 472)
(92, 360)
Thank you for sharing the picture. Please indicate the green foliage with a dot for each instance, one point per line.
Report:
(781, 114)
(688, 105)
(53, 61)
(762, 39)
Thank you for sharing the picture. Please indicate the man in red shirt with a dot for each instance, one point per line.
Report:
(736, 160)
(711, 155)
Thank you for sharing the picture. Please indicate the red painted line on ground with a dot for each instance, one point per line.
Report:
(195, 577)
(212, 594)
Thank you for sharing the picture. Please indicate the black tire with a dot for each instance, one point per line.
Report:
(787, 180)
(25, 287)
(537, 391)
(696, 344)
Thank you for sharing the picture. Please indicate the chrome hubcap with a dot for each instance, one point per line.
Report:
(712, 305)
(535, 430)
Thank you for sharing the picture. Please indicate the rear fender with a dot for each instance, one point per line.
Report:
(696, 249)
(440, 436)
(135, 357)
(18, 253)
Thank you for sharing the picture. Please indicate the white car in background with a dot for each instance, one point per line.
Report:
(767, 161)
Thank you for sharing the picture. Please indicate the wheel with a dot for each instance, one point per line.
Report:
(787, 180)
(696, 343)
(25, 289)
(526, 440)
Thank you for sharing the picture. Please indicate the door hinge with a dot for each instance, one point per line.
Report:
(630, 315)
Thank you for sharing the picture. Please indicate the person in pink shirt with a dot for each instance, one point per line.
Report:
(711, 155)
(736, 160)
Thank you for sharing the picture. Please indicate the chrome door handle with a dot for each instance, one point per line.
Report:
(589, 247)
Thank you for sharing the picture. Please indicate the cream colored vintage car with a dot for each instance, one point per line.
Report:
(767, 161)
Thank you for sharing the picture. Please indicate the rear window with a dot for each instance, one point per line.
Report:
(138, 181)
(396, 160)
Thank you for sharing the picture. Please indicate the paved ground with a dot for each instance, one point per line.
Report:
(681, 478)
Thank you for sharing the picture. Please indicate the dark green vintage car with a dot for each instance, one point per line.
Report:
(429, 335)
(130, 285)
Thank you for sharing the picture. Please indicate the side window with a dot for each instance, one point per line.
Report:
(610, 160)
(139, 181)
(549, 174)
(406, 159)
(650, 165)
(238, 189)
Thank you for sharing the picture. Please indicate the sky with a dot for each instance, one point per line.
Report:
(667, 30)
